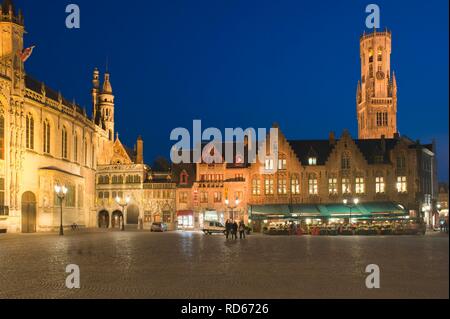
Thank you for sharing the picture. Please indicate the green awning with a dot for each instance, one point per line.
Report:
(363, 210)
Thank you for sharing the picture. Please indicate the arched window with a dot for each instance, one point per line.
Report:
(2, 137)
(64, 143)
(184, 178)
(30, 132)
(46, 137)
(380, 54)
(85, 153)
(75, 147)
(370, 55)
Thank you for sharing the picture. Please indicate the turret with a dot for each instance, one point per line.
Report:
(140, 150)
(8, 13)
(95, 92)
(106, 107)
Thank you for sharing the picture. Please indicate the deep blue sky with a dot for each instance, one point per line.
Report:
(242, 63)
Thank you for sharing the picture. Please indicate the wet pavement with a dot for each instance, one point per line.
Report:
(191, 266)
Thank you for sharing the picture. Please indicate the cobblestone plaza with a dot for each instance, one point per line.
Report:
(191, 265)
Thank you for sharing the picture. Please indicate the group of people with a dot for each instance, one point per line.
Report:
(233, 228)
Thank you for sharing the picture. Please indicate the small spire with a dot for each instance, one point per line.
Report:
(107, 88)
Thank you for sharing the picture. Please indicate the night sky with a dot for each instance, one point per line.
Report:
(242, 63)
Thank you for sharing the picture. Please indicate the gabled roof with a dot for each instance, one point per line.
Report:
(304, 148)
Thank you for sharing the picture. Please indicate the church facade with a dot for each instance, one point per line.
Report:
(47, 140)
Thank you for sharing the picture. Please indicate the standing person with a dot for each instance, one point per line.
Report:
(241, 230)
(235, 230)
(227, 228)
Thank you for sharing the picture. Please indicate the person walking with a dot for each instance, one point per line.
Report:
(241, 230)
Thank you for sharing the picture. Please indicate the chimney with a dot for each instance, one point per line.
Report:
(140, 150)
(383, 143)
(332, 138)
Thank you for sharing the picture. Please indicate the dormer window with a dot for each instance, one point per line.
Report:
(184, 178)
(269, 164)
(312, 161)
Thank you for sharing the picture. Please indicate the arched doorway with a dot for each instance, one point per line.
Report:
(28, 212)
(103, 219)
(117, 218)
(132, 215)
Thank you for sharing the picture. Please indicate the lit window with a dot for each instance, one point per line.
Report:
(269, 164)
(64, 143)
(401, 184)
(379, 185)
(313, 186)
(360, 187)
(333, 186)
(217, 197)
(256, 187)
(30, 132)
(282, 163)
(282, 186)
(312, 161)
(268, 185)
(204, 197)
(46, 137)
(346, 187)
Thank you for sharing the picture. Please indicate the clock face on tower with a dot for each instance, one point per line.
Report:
(380, 75)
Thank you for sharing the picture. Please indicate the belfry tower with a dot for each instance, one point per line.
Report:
(376, 96)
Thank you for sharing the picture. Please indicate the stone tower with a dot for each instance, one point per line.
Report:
(376, 96)
(103, 104)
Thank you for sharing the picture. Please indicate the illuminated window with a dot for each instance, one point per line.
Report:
(313, 185)
(370, 55)
(217, 197)
(269, 164)
(282, 185)
(312, 161)
(268, 185)
(401, 184)
(30, 132)
(360, 187)
(380, 54)
(332, 186)
(46, 137)
(204, 197)
(282, 163)
(295, 185)
(256, 187)
(346, 186)
(64, 143)
(379, 185)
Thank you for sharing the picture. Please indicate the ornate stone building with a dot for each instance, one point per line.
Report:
(46, 140)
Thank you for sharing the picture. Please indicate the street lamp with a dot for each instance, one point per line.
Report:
(232, 208)
(123, 205)
(350, 206)
(61, 192)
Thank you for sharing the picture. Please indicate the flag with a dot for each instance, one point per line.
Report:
(26, 53)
